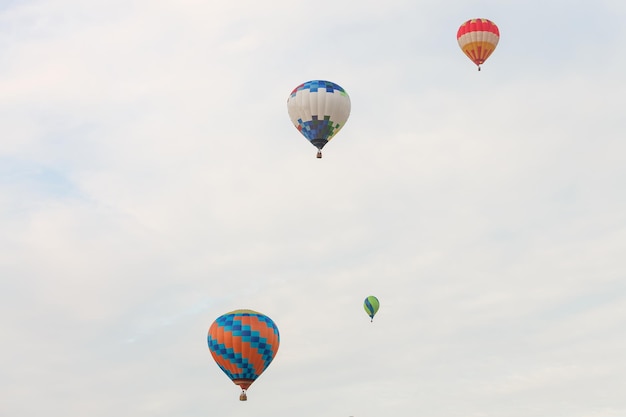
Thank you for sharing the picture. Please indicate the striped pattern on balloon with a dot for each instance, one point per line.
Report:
(478, 39)
(371, 306)
(243, 343)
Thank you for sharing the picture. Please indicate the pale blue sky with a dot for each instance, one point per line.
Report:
(150, 181)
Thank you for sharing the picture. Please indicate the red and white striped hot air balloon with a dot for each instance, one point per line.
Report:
(478, 39)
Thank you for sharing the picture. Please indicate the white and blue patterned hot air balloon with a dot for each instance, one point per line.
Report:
(318, 109)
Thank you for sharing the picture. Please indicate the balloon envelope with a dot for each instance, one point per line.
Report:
(243, 343)
(371, 306)
(318, 109)
(478, 39)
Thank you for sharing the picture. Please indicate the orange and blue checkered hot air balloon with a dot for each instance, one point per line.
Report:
(243, 344)
(478, 39)
(318, 109)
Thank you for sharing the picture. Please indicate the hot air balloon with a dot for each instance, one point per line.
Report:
(318, 109)
(243, 343)
(478, 38)
(371, 306)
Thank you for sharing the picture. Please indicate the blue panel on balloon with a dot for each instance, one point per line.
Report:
(317, 129)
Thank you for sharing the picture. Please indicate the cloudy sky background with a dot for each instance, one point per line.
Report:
(150, 181)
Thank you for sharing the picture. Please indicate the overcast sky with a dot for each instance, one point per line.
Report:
(151, 180)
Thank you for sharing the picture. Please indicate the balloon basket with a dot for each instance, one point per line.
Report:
(319, 154)
(243, 396)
